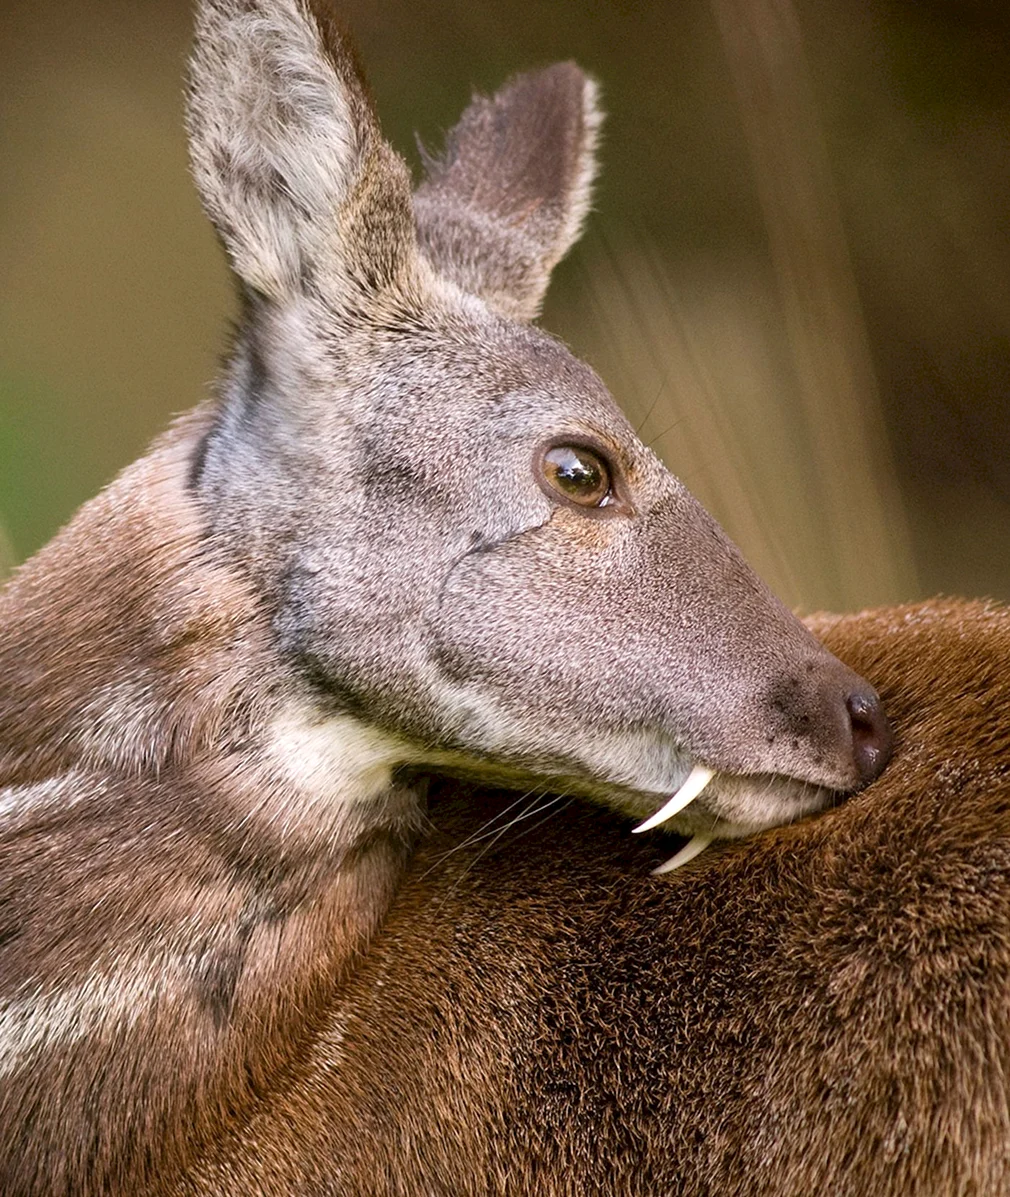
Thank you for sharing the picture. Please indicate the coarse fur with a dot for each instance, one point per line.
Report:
(226, 686)
(824, 1009)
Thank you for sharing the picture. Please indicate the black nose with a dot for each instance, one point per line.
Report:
(872, 740)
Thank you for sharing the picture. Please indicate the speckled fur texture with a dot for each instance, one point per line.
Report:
(822, 1010)
(227, 685)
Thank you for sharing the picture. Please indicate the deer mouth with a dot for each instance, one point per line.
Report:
(710, 805)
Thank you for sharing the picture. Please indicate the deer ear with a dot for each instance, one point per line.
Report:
(506, 201)
(288, 156)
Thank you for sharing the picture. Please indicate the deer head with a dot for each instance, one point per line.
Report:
(465, 547)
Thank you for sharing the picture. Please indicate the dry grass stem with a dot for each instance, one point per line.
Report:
(830, 357)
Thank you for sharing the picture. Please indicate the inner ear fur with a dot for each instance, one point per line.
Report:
(507, 198)
(288, 155)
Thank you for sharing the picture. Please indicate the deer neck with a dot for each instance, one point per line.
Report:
(219, 848)
(158, 661)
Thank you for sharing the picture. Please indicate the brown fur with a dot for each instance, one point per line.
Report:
(163, 621)
(136, 683)
(825, 1009)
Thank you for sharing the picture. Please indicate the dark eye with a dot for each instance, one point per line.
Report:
(578, 474)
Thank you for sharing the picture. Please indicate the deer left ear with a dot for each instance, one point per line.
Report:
(289, 159)
(506, 201)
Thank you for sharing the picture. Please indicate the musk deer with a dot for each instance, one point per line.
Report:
(411, 538)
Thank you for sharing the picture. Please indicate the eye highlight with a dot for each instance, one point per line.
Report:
(578, 475)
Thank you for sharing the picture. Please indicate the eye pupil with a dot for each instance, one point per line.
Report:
(578, 474)
(575, 473)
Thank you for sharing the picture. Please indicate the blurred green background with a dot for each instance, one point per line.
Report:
(796, 279)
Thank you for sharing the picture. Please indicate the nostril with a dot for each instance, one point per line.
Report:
(871, 734)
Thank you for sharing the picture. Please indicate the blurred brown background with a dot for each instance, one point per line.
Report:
(797, 278)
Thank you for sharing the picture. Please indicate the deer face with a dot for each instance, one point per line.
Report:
(464, 544)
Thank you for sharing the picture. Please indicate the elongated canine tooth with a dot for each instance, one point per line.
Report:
(697, 780)
(694, 847)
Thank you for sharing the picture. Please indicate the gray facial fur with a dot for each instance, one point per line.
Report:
(373, 467)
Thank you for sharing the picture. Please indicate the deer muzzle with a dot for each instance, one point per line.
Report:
(838, 724)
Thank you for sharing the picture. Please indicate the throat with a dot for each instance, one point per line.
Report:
(332, 779)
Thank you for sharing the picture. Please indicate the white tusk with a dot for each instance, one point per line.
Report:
(694, 847)
(697, 780)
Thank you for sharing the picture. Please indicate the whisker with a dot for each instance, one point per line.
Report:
(476, 836)
(652, 407)
(529, 812)
(550, 815)
(659, 435)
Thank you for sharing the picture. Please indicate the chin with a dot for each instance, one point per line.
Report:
(734, 807)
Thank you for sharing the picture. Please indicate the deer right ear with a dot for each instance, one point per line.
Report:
(507, 200)
(288, 155)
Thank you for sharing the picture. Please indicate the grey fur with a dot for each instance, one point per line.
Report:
(507, 199)
(372, 465)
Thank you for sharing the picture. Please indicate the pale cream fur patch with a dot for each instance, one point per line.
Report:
(20, 805)
(322, 770)
(102, 1005)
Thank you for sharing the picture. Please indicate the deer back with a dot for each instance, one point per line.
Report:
(825, 1009)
